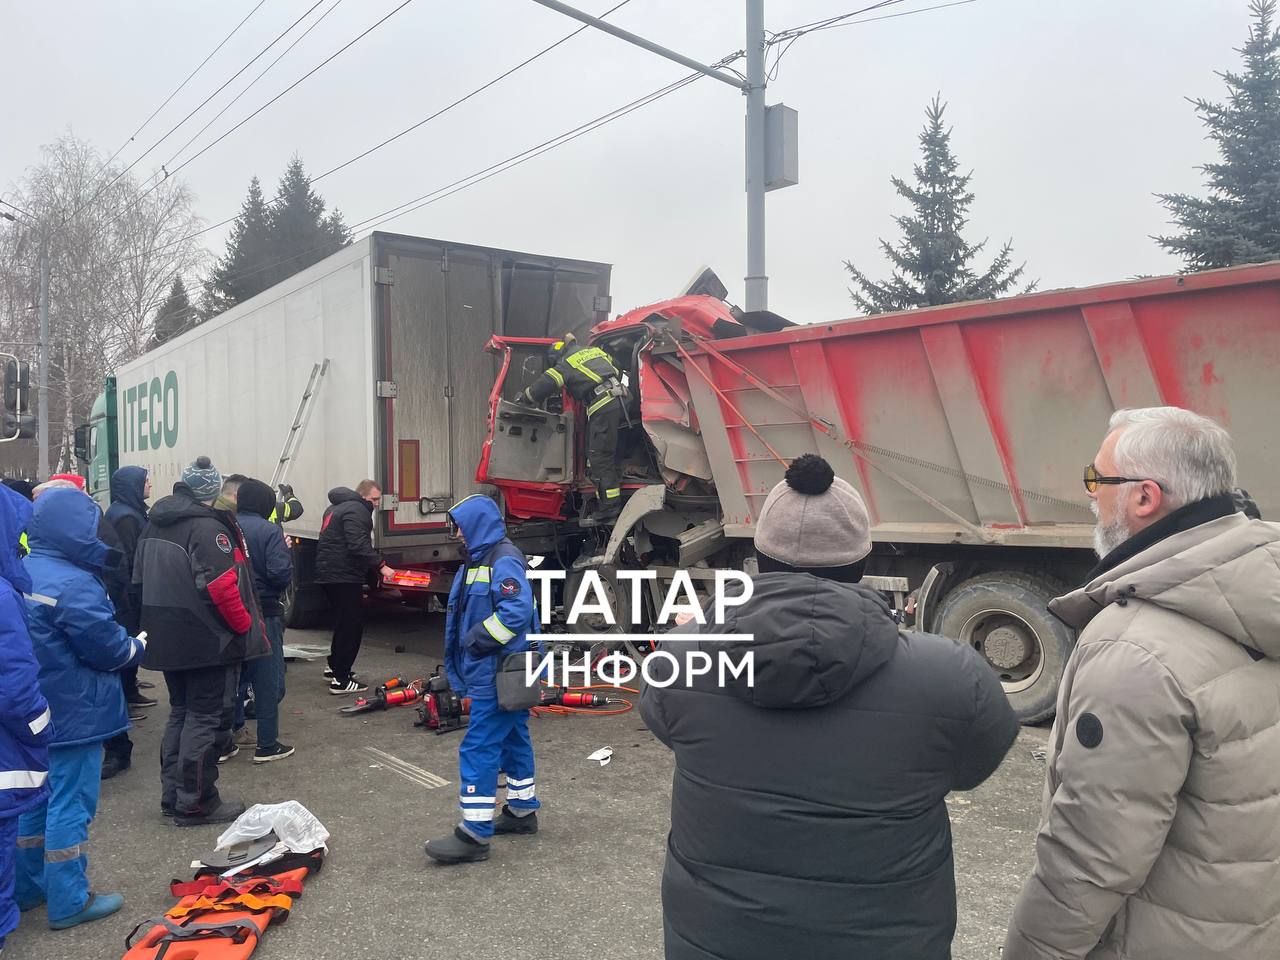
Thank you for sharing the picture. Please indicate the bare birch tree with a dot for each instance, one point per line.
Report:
(115, 249)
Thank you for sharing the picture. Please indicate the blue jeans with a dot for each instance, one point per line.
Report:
(266, 676)
(52, 837)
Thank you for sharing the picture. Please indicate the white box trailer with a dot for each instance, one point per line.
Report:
(403, 322)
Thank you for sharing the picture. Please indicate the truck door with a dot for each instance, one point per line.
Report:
(529, 453)
(442, 313)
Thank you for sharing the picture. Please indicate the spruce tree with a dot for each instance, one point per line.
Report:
(240, 272)
(301, 233)
(933, 263)
(1239, 220)
(175, 316)
(273, 240)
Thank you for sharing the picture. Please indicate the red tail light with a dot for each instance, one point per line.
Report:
(412, 579)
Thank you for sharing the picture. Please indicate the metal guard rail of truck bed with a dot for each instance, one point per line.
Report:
(826, 426)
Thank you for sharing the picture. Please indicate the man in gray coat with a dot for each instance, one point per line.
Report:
(1159, 837)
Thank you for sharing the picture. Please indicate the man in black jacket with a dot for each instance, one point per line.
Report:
(272, 572)
(130, 491)
(344, 560)
(202, 619)
(807, 814)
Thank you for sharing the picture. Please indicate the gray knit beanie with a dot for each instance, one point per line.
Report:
(813, 518)
(203, 478)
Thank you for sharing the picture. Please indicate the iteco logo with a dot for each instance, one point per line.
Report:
(149, 418)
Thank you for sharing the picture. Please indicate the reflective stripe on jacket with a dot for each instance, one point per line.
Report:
(586, 374)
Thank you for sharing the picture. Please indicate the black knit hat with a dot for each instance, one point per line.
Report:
(255, 497)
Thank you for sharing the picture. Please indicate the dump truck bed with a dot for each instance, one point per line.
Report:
(973, 422)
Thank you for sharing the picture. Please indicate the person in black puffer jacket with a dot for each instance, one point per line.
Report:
(203, 621)
(807, 813)
(344, 560)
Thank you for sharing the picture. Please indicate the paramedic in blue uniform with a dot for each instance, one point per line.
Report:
(491, 611)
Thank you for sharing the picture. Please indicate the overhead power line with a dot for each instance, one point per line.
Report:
(230, 103)
(828, 21)
(409, 129)
(291, 86)
(892, 16)
(463, 99)
(177, 125)
(178, 89)
(785, 38)
(168, 173)
(525, 155)
(11, 206)
(371, 223)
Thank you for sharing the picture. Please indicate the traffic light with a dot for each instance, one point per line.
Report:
(18, 426)
(15, 421)
(11, 385)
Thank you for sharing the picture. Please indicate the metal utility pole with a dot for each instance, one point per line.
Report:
(757, 141)
(42, 394)
(757, 279)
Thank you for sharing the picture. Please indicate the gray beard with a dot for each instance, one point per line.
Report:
(1108, 536)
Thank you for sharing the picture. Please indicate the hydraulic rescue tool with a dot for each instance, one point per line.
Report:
(394, 693)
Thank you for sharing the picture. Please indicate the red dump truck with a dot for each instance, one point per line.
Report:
(966, 427)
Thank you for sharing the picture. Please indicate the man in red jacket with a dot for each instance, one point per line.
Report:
(202, 619)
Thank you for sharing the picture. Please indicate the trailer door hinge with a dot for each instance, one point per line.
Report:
(444, 261)
(389, 501)
(384, 275)
(448, 391)
(387, 388)
(602, 304)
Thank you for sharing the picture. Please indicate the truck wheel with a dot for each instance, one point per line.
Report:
(303, 601)
(1005, 617)
(617, 593)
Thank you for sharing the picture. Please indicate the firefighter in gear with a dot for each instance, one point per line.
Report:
(591, 378)
(491, 612)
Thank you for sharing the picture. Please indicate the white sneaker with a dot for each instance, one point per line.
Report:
(351, 686)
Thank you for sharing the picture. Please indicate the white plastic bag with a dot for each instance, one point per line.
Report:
(293, 823)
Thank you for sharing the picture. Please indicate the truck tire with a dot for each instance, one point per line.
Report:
(619, 596)
(305, 607)
(1005, 617)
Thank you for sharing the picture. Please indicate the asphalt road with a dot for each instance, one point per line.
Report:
(587, 885)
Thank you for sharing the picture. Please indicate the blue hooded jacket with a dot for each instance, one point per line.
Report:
(25, 727)
(128, 487)
(77, 641)
(272, 562)
(491, 608)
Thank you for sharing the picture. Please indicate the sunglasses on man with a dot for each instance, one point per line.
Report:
(1093, 479)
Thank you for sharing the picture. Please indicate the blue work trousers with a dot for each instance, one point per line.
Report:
(495, 740)
(52, 838)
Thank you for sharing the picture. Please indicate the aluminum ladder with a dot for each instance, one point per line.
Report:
(293, 441)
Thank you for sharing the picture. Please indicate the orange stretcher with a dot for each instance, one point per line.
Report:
(223, 920)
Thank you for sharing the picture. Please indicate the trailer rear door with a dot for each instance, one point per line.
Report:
(439, 306)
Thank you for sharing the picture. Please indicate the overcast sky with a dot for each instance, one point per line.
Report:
(1071, 115)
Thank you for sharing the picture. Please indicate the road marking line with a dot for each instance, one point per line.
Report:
(407, 770)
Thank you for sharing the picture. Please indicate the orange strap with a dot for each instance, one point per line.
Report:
(241, 901)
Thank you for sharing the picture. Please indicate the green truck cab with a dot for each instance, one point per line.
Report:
(96, 445)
